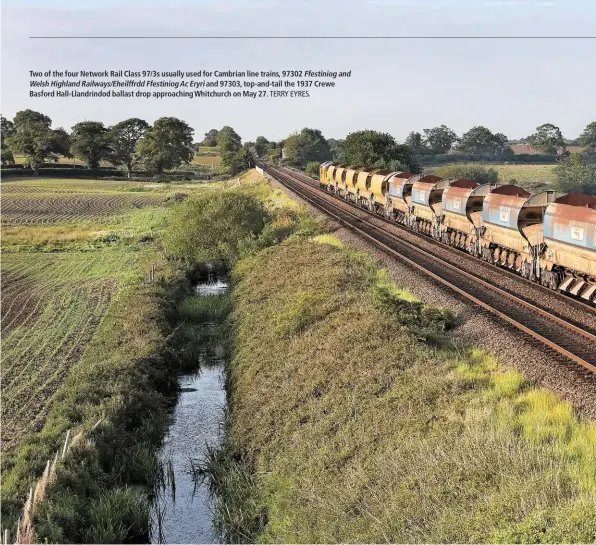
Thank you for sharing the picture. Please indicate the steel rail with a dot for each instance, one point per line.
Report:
(569, 340)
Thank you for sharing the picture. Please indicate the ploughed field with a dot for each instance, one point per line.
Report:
(68, 249)
(58, 201)
(52, 306)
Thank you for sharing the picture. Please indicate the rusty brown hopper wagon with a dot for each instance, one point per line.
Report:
(462, 214)
(512, 219)
(570, 234)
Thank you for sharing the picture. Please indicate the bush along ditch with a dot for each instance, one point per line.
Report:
(353, 416)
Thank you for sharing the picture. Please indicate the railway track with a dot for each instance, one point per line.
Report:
(579, 303)
(566, 339)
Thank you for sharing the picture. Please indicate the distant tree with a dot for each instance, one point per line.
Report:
(416, 143)
(439, 139)
(237, 161)
(167, 144)
(262, 146)
(588, 137)
(124, 138)
(250, 146)
(377, 149)
(469, 171)
(30, 135)
(274, 155)
(62, 142)
(306, 146)
(548, 139)
(480, 140)
(89, 142)
(335, 146)
(228, 140)
(7, 130)
(210, 138)
(25, 117)
(575, 174)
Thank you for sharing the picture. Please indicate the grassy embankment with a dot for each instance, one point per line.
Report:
(87, 316)
(354, 418)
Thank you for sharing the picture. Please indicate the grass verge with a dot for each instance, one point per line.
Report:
(353, 418)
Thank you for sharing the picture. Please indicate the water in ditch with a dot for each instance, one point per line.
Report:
(183, 509)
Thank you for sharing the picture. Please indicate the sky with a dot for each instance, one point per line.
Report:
(510, 85)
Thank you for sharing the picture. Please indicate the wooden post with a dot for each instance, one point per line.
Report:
(6, 536)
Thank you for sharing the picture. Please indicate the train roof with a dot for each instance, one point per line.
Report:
(578, 199)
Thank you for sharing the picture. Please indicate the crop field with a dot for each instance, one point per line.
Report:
(55, 201)
(68, 249)
(52, 304)
(529, 176)
(213, 161)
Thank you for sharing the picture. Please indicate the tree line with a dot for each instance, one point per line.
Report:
(165, 145)
(168, 143)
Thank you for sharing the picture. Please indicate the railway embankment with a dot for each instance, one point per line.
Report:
(357, 414)
(353, 418)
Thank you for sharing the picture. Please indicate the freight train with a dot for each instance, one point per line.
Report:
(547, 237)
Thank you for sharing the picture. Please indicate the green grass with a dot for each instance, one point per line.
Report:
(532, 177)
(351, 423)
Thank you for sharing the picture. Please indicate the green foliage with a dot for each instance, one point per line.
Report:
(89, 142)
(480, 140)
(210, 227)
(7, 130)
(228, 140)
(376, 149)
(262, 146)
(547, 138)
(237, 161)
(31, 117)
(118, 515)
(424, 321)
(439, 139)
(124, 138)
(274, 155)
(575, 174)
(588, 137)
(167, 144)
(313, 169)
(7, 157)
(335, 147)
(417, 144)
(470, 171)
(211, 138)
(30, 135)
(306, 146)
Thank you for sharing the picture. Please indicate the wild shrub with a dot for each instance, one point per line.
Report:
(210, 227)
(312, 169)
